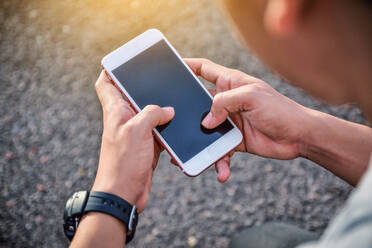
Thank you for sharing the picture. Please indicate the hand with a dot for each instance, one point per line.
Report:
(129, 153)
(272, 124)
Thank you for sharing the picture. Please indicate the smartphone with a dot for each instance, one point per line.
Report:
(148, 70)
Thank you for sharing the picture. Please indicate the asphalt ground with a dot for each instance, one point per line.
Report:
(51, 122)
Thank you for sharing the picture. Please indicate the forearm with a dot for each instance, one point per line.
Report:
(99, 230)
(340, 146)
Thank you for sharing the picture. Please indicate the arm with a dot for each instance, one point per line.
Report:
(340, 146)
(99, 230)
(274, 126)
(129, 155)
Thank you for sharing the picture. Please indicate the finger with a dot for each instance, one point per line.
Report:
(231, 153)
(159, 147)
(206, 69)
(107, 93)
(223, 169)
(174, 162)
(227, 102)
(224, 78)
(152, 116)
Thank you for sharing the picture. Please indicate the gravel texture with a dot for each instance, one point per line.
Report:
(50, 127)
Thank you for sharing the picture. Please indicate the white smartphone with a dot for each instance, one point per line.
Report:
(148, 70)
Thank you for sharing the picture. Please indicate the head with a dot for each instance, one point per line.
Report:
(322, 46)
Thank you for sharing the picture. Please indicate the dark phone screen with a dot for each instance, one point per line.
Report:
(157, 76)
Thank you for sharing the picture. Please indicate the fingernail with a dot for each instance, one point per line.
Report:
(170, 110)
(207, 120)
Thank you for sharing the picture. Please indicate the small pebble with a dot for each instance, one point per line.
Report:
(9, 155)
(33, 150)
(38, 218)
(169, 178)
(68, 184)
(28, 226)
(268, 168)
(9, 204)
(7, 118)
(43, 159)
(41, 187)
(81, 172)
(191, 241)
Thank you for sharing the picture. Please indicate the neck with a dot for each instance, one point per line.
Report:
(341, 61)
(357, 40)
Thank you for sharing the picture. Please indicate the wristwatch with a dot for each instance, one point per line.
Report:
(83, 202)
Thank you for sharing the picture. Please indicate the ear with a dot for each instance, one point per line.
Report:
(282, 17)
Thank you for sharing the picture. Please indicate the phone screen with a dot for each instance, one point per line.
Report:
(157, 76)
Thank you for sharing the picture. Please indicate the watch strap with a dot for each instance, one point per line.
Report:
(116, 207)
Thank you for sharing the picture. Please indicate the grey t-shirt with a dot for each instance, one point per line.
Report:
(352, 226)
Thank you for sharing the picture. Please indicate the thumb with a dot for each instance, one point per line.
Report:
(152, 116)
(227, 102)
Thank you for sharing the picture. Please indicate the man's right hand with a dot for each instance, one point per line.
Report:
(272, 124)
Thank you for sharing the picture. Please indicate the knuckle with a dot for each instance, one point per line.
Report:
(220, 106)
(129, 127)
(107, 108)
(258, 88)
(217, 105)
(225, 79)
(124, 117)
(264, 85)
(218, 98)
(151, 108)
(118, 113)
(206, 61)
(251, 88)
(236, 74)
(110, 108)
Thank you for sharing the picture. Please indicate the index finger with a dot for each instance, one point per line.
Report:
(106, 91)
(206, 69)
(224, 78)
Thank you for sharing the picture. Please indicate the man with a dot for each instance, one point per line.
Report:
(323, 46)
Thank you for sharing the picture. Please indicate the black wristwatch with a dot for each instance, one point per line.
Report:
(83, 202)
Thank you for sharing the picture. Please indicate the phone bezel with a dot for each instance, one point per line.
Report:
(206, 157)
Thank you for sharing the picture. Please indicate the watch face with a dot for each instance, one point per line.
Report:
(83, 202)
(74, 209)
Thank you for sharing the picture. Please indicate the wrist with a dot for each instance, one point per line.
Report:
(318, 143)
(97, 229)
(308, 143)
(121, 190)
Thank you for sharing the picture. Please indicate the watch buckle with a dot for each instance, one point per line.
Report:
(131, 219)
